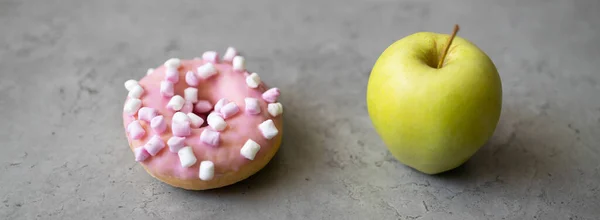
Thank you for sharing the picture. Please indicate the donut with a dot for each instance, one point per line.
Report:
(202, 123)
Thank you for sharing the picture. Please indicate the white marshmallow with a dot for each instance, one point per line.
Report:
(210, 56)
(149, 71)
(186, 156)
(136, 92)
(253, 80)
(195, 120)
(220, 104)
(132, 106)
(250, 149)
(252, 106)
(191, 94)
(207, 70)
(167, 89)
(176, 103)
(173, 63)
(230, 53)
(130, 84)
(207, 170)
(230, 109)
(180, 117)
(268, 129)
(216, 122)
(239, 63)
(275, 109)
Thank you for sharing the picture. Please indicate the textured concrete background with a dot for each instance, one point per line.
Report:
(64, 154)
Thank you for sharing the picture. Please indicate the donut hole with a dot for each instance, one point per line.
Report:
(204, 116)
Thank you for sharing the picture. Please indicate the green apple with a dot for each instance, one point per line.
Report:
(434, 119)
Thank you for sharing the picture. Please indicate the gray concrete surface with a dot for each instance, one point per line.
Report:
(64, 156)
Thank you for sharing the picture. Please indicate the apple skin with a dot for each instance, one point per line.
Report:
(430, 119)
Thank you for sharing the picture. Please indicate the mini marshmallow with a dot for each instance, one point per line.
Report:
(130, 84)
(136, 92)
(207, 170)
(229, 110)
(158, 124)
(187, 107)
(230, 53)
(172, 75)
(195, 120)
(210, 56)
(268, 129)
(250, 149)
(191, 94)
(176, 143)
(252, 106)
(186, 156)
(132, 106)
(275, 109)
(154, 145)
(216, 122)
(176, 103)
(135, 129)
(210, 137)
(173, 63)
(147, 113)
(203, 106)
(239, 63)
(220, 104)
(253, 80)
(181, 129)
(141, 154)
(207, 70)
(167, 89)
(271, 95)
(149, 71)
(191, 79)
(180, 117)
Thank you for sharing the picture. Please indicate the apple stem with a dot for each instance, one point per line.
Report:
(447, 48)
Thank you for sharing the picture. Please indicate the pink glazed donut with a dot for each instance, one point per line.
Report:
(203, 123)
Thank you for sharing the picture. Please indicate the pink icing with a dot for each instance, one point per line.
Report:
(240, 127)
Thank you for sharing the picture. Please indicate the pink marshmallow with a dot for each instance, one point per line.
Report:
(229, 110)
(252, 106)
(203, 106)
(210, 137)
(141, 154)
(181, 129)
(136, 131)
(154, 145)
(176, 143)
(158, 124)
(220, 104)
(210, 56)
(271, 95)
(191, 79)
(146, 114)
(172, 75)
(187, 107)
(167, 89)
